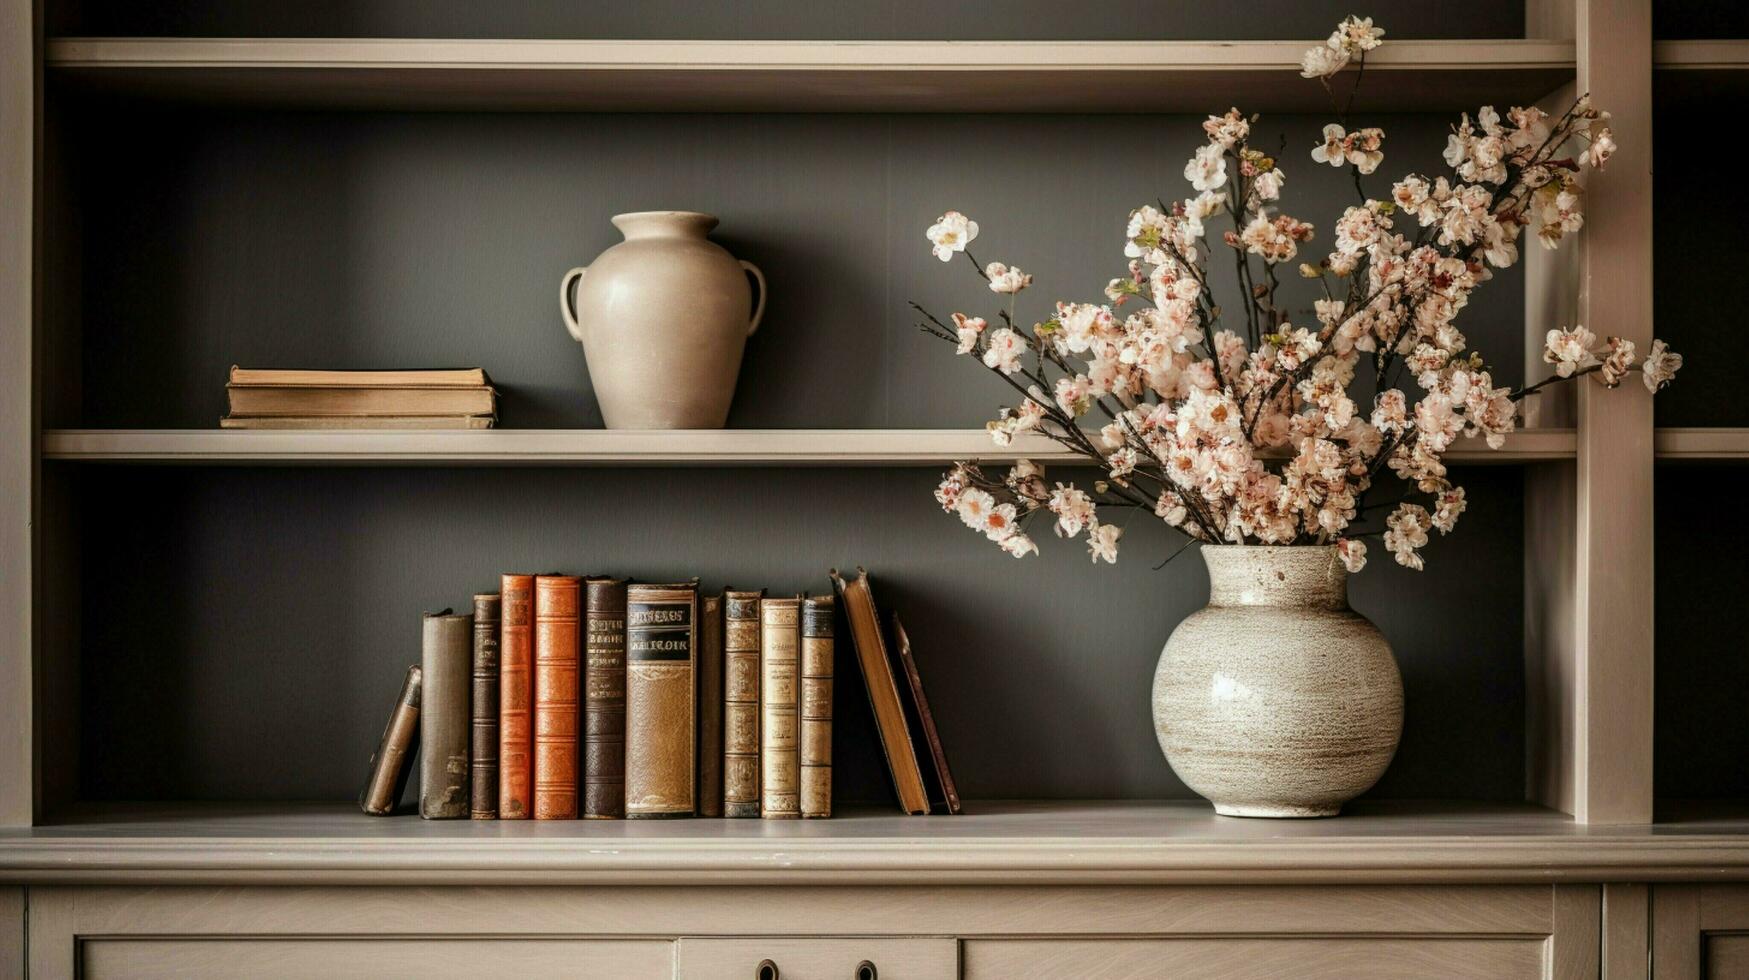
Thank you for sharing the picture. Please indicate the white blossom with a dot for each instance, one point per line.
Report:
(1102, 542)
(951, 233)
(1660, 366)
(1207, 169)
(1006, 279)
(1322, 61)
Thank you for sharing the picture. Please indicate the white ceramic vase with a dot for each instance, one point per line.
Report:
(1277, 699)
(663, 318)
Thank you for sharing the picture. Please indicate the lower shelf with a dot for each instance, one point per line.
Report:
(993, 842)
(715, 447)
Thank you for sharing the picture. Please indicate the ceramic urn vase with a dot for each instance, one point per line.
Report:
(663, 318)
(1277, 699)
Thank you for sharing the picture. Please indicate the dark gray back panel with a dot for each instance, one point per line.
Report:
(1702, 653)
(391, 240)
(780, 19)
(246, 630)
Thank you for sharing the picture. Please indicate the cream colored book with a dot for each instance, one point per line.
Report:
(312, 400)
(359, 422)
(425, 378)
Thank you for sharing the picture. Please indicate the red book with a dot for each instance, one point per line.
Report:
(557, 635)
(515, 697)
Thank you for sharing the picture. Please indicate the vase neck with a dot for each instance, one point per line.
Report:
(1309, 576)
(664, 224)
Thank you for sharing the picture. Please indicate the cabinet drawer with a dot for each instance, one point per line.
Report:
(820, 959)
(1307, 958)
(345, 958)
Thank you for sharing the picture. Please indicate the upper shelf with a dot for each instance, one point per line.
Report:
(1701, 69)
(804, 76)
(713, 447)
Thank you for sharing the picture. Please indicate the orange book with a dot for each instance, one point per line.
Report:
(515, 697)
(557, 644)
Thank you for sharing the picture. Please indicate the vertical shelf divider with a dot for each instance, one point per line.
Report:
(1599, 765)
(20, 112)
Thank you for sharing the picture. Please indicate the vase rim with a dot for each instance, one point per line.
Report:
(709, 221)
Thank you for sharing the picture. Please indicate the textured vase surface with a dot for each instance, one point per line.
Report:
(663, 317)
(1277, 699)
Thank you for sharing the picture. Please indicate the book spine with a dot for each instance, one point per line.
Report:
(516, 697)
(483, 756)
(604, 699)
(392, 761)
(741, 704)
(558, 602)
(710, 706)
(779, 650)
(816, 706)
(661, 700)
(443, 716)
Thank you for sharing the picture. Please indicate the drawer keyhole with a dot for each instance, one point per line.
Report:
(865, 971)
(767, 971)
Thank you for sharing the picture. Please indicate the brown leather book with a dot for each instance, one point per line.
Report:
(710, 706)
(393, 759)
(558, 607)
(779, 723)
(816, 706)
(950, 793)
(883, 691)
(741, 703)
(483, 749)
(661, 700)
(604, 698)
(516, 698)
(443, 715)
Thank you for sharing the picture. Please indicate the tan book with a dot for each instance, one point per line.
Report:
(304, 401)
(710, 706)
(779, 721)
(883, 690)
(393, 759)
(358, 422)
(446, 668)
(417, 378)
(816, 706)
(661, 700)
(741, 704)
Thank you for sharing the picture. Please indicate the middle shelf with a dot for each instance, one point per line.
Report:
(717, 447)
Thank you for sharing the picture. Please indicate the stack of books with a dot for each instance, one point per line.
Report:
(424, 399)
(562, 697)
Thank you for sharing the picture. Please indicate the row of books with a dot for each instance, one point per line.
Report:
(420, 399)
(562, 697)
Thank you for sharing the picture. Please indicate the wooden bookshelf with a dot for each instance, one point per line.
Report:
(798, 76)
(724, 447)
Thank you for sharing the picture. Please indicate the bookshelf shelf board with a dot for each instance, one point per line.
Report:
(717, 447)
(1701, 443)
(1701, 56)
(806, 76)
(1082, 842)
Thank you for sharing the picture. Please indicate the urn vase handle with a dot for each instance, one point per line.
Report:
(759, 308)
(566, 305)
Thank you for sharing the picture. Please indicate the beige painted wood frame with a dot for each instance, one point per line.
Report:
(20, 115)
(1588, 562)
(1556, 924)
